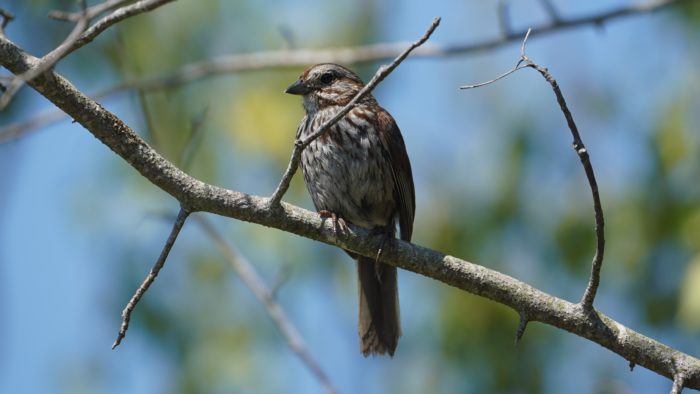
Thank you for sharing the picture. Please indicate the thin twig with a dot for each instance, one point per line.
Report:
(117, 16)
(193, 139)
(129, 309)
(522, 325)
(149, 129)
(517, 67)
(582, 152)
(17, 130)
(49, 60)
(351, 55)
(504, 18)
(246, 271)
(79, 36)
(7, 17)
(301, 144)
(551, 11)
(92, 12)
(279, 280)
(678, 383)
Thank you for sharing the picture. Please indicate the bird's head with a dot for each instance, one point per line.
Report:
(326, 84)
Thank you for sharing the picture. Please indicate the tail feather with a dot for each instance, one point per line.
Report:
(379, 325)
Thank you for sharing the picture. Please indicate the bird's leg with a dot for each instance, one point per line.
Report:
(387, 235)
(338, 222)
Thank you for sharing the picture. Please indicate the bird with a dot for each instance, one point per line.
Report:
(359, 172)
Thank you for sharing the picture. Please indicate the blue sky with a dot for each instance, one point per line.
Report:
(55, 263)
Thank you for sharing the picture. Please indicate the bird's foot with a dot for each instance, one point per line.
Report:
(384, 243)
(338, 222)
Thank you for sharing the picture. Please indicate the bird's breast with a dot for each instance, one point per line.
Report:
(347, 171)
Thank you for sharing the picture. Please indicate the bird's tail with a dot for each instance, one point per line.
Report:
(379, 326)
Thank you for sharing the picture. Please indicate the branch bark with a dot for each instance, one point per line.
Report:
(199, 196)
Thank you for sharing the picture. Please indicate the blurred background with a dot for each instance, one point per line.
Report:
(497, 183)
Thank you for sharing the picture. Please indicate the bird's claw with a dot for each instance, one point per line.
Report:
(386, 240)
(338, 222)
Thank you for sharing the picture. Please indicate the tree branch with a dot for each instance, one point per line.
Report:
(117, 16)
(580, 149)
(301, 144)
(49, 60)
(678, 383)
(7, 17)
(199, 196)
(92, 12)
(78, 37)
(246, 271)
(350, 55)
(141, 290)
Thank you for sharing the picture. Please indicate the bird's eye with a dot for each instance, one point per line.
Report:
(327, 78)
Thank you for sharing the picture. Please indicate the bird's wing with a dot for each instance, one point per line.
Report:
(392, 141)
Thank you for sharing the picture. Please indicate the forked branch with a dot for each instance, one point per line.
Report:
(141, 290)
(79, 36)
(525, 62)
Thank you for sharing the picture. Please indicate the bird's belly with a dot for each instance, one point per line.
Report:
(350, 177)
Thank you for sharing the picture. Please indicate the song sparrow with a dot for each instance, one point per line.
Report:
(359, 171)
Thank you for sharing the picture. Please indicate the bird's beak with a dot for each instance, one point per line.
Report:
(298, 87)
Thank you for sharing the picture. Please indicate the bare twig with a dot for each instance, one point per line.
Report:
(476, 279)
(79, 36)
(92, 12)
(7, 17)
(246, 271)
(49, 60)
(580, 149)
(551, 11)
(503, 11)
(582, 152)
(351, 55)
(117, 16)
(129, 309)
(517, 67)
(678, 383)
(150, 132)
(301, 144)
(193, 139)
(522, 325)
